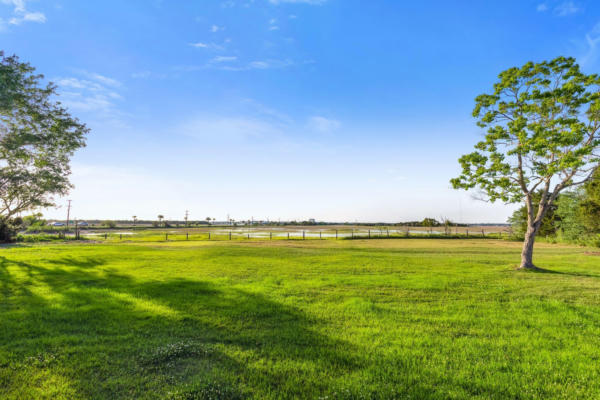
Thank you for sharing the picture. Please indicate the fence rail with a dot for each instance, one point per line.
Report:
(282, 234)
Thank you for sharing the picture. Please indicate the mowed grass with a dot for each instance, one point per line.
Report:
(364, 319)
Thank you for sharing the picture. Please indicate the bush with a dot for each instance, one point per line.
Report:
(33, 220)
(41, 237)
(38, 228)
(9, 228)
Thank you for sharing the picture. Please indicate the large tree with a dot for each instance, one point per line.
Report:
(37, 139)
(542, 124)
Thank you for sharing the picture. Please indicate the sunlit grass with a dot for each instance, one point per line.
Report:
(298, 319)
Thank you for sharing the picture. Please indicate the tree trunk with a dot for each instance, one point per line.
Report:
(527, 253)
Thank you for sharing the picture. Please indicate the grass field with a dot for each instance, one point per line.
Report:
(362, 319)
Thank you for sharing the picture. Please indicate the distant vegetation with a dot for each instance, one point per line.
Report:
(574, 217)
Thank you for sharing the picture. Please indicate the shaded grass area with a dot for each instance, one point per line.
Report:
(376, 319)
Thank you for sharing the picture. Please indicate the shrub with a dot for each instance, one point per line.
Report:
(9, 228)
(108, 224)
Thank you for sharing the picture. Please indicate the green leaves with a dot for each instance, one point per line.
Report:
(542, 124)
(37, 139)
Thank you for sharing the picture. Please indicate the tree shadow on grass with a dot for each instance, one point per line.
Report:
(111, 336)
(79, 262)
(539, 270)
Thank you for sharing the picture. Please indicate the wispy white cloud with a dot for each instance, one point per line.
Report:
(592, 41)
(542, 7)
(273, 24)
(245, 119)
(232, 63)
(92, 93)
(269, 64)
(323, 125)
(231, 3)
(566, 8)
(209, 46)
(264, 111)
(102, 79)
(145, 74)
(258, 65)
(228, 128)
(141, 74)
(216, 28)
(21, 14)
(221, 59)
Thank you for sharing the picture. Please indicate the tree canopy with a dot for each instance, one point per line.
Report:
(37, 140)
(542, 123)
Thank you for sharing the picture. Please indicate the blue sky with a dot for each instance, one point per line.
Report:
(338, 110)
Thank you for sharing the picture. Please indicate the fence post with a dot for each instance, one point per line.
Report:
(369, 234)
(120, 236)
(388, 232)
(467, 233)
(187, 236)
(352, 233)
(320, 235)
(229, 235)
(288, 236)
(303, 235)
(248, 236)
(270, 235)
(166, 236)
(336, 234)
(482, 233)
(208, 235)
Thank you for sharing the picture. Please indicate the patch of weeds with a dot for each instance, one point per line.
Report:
(348, 394)
(211, 390)
(167, 355)
(41, 360)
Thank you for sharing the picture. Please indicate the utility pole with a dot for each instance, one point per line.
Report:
(68, 213)
(187, 213)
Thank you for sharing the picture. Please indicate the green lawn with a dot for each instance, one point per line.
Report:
(378, 319)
